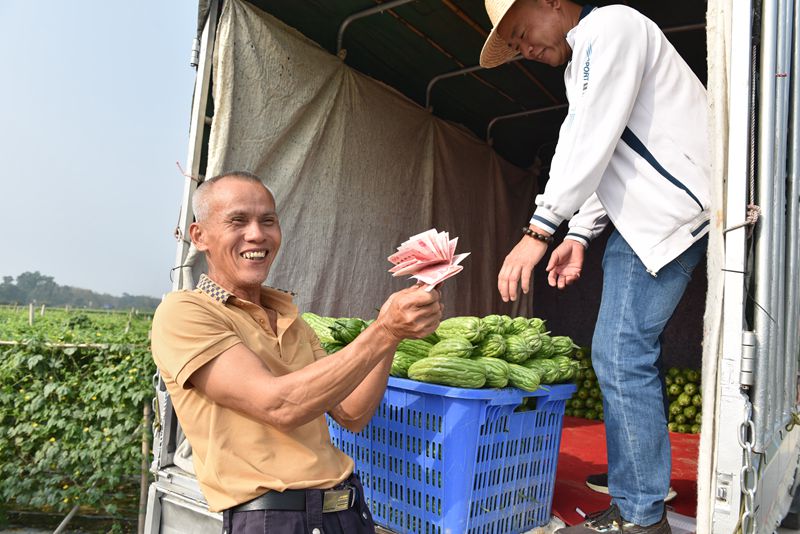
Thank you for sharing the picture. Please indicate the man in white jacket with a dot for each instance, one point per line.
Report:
(632, 151)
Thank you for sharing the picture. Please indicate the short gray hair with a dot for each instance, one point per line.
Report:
(201, 197)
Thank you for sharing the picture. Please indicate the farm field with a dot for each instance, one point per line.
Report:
(75, 395)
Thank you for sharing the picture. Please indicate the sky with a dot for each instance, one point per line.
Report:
(95, 100)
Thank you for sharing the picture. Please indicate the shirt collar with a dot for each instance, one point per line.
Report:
(269, 295)
(588, 8)
(213, 290)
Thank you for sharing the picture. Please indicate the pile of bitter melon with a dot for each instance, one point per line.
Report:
(470, 352)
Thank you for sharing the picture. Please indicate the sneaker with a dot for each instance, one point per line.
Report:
(599, 483)
(610, 521)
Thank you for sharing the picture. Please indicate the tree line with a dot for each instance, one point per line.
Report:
(41, 289)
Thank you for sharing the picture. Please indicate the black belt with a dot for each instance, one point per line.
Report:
(333, 500)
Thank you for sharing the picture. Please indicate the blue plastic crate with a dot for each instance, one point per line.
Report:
(442, 460)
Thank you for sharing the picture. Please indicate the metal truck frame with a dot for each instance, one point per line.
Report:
(749, 454)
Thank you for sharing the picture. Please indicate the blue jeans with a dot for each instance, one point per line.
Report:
(626, 349)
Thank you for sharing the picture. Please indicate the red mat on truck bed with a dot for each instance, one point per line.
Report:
(583, 452)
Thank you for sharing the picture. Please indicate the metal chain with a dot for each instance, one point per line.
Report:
(748, 477)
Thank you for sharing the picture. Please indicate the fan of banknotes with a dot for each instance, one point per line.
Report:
(429, 257)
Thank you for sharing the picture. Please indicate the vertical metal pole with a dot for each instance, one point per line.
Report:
(793, 227)
(778, 220)
(785, 75)
(764, 309)
(196, 129)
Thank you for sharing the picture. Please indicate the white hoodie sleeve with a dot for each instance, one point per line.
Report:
(603, 80)
(587, 224)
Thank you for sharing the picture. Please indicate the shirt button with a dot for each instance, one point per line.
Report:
(316, 531)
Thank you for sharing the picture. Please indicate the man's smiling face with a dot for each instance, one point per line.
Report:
(537, 29)
(240, 235)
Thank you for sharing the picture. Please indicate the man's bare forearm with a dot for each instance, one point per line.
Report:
(348, 383)
(357, 409)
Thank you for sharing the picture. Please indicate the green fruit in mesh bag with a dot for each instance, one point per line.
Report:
(518, 324)
(517, 350)
(458, 372)
(401, 362)
(415, 347)
(454, 347)
(463, 327)
(692, 376)
(674, 390)
(496, 371)
(492, 346)
(673, 372)
(493, 324)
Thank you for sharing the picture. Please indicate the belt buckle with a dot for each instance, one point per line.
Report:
(337, 500)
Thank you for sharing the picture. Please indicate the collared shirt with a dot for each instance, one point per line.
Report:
(237, 458)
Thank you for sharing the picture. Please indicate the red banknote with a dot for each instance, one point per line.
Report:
(429, 257)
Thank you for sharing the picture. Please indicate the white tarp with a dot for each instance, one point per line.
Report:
(356, 169)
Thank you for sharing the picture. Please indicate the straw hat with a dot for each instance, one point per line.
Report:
(496, 51)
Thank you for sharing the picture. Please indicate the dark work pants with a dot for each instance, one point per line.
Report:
(355, 520)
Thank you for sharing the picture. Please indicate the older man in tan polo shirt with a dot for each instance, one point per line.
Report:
(251, 384)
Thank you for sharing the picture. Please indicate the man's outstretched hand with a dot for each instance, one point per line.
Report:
(565, 264)
(518, 267)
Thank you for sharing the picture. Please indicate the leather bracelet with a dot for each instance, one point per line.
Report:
(536, 235)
